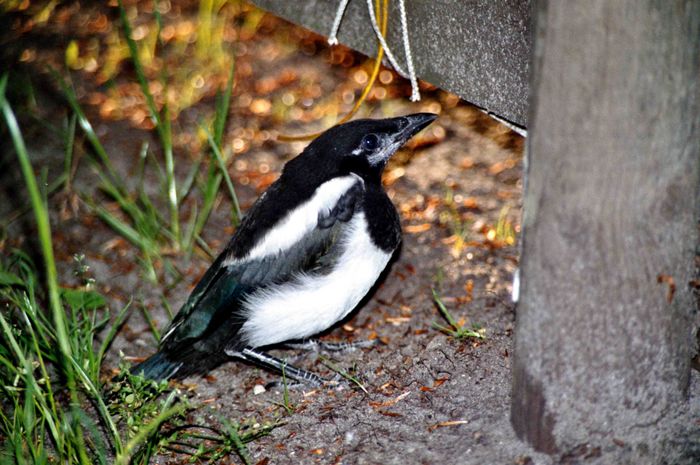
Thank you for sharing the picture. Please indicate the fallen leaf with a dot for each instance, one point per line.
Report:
(443, 424)
(466, 163)
(390, 402)
(501, 166)
(436, 384)
(664, 278)
(396, 321)
(417, 228)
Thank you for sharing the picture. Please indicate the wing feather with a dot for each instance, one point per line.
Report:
(212, 313)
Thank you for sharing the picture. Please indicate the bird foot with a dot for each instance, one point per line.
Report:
(294, 377)
(290, 372)
(316, 345)
(337, 381)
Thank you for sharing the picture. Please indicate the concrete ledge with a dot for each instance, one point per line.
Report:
(478, 50)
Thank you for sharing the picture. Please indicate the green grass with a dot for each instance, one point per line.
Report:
(14, 359)
(53, 409)
(208, 444)
(454, 328)
(504, 231)
(452, 218)
(161, 121)
(286, 403)
(56, 405)
(138, 217)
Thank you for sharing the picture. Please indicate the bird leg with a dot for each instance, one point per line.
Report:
(263, 359)
(316, 345)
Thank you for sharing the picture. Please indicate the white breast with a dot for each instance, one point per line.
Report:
(300, 221)
(310, 304)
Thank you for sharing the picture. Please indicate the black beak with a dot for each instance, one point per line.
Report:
(412, 124)
(407, 127)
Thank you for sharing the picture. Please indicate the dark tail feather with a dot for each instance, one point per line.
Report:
(187, 362)
(158, 367)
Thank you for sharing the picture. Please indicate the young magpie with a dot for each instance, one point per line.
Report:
(304, 256)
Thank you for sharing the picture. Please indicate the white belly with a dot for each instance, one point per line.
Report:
(309, 304)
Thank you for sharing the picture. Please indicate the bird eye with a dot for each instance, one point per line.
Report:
(370, 142)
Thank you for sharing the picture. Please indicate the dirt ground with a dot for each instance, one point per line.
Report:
(430, 398)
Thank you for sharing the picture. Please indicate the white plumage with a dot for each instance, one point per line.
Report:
(309, 303)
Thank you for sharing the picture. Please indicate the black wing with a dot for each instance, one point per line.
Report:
(212, 312)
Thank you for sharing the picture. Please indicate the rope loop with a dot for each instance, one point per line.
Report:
(411, 74)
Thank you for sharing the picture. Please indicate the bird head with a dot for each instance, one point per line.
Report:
(362, 147)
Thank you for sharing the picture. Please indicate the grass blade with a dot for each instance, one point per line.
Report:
(70, 142)
(343, 373)
(222, 107)
(26, 366)
(455, 329)
(105, 416)
(236, 213)
(87, 128)
(163, 127)
(109, 337)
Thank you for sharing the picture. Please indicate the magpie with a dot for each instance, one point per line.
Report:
(307, 252)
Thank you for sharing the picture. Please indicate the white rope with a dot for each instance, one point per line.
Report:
(415, 92)
(513, 127)
(382, 41)
(411, 75)
(333, 37)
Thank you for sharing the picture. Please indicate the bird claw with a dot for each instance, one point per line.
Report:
(315, 381)
(337, 380)
(293, 384)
